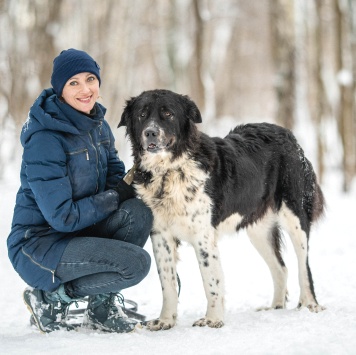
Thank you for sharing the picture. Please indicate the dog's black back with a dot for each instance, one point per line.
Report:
(264, 165)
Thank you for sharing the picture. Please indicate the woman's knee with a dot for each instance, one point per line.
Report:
(138, 210)
(141, 219)
(135, 264)
(146, 264)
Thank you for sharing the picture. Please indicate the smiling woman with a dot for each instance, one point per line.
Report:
(77, 231)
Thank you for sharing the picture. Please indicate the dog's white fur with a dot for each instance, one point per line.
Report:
(189, 220)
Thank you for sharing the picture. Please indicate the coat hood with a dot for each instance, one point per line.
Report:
(49, 113)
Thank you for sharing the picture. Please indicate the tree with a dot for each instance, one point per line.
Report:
(345, 62)
(321, 110)
(283, 50)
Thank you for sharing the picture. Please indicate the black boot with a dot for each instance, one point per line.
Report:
(48, 309)
(103, 314)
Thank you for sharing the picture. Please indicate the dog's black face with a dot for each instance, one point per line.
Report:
(158, 121)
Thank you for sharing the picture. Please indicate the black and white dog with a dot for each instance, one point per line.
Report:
(198, 187)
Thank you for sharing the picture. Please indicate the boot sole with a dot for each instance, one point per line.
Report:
(36, 322)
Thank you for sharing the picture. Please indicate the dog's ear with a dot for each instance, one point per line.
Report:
(125, 114)
(123, 121)
(193, 111)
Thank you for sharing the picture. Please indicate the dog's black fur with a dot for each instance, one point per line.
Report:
(257, 178)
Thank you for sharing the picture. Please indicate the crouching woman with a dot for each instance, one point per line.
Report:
(78, 230)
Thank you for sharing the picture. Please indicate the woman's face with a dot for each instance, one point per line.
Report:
(81, 91)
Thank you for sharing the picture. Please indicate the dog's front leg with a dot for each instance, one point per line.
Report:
(164, 249)
(208, 257)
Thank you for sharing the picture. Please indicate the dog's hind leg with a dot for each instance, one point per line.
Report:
(265, 236)
(291, 223)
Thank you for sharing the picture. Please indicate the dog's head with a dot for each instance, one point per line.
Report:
(160, 121)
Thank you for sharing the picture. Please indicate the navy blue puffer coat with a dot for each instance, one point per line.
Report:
(69, 164)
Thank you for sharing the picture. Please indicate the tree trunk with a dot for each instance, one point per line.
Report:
(283, 51)
(320, 94)
(197, 58)
(346, 107)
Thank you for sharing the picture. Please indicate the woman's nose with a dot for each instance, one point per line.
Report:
(84, 87)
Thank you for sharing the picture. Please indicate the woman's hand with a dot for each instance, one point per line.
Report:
(125, 191)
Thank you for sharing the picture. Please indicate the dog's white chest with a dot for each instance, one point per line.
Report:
(178, 200)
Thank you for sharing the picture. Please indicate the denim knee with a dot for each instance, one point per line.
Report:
(141, 220)
(146, 265)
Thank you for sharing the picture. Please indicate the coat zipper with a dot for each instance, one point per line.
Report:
(39, 265)
(97, 160)
(80, 151)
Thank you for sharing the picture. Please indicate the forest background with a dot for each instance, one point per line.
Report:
(284, 61)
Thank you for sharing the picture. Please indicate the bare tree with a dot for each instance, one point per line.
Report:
(283, 50)
(196, 67)
(320, 109)
(352, 15)
(346, 105)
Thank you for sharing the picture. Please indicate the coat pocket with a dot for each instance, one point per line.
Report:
(82, 172)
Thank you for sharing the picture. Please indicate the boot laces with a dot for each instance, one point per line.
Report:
(63, 307)
(114, 309)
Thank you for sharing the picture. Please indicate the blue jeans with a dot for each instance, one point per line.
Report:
(108, 256)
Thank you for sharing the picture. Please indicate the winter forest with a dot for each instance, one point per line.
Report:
(290, 62)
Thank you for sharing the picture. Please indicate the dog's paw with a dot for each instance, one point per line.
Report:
(158, 324)
(313, 307)
(206, 321)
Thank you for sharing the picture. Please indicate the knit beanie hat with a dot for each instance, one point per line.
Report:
(71, 62)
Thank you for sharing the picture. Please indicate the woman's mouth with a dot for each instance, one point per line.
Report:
(84, 100)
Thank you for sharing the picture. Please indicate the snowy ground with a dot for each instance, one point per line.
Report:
(248, 286)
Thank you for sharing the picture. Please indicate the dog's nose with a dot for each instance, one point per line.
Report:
(151, 132)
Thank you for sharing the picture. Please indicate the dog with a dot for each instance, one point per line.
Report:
(198, 187)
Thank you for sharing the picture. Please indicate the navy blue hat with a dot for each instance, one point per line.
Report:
(71, 62)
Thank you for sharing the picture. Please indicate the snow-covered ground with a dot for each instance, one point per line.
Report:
(248, 286)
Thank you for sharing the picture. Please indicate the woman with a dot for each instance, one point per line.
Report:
(77, 229)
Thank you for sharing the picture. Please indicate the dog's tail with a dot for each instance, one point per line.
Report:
(277, 243)
(313, 196)
(318, 204)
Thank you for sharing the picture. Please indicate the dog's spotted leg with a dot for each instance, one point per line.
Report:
(208, 257)
(292, 225)
(164, 248)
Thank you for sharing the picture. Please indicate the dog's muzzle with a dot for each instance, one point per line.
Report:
(154, 139)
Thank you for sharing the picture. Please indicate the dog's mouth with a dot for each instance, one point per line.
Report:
(154, 147)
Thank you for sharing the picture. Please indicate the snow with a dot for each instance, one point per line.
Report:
(248, 286)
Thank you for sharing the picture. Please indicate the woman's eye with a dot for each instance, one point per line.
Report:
(91, 78)
(73, 83)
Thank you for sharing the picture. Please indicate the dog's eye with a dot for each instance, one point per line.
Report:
(167, 114)
(143, 114)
